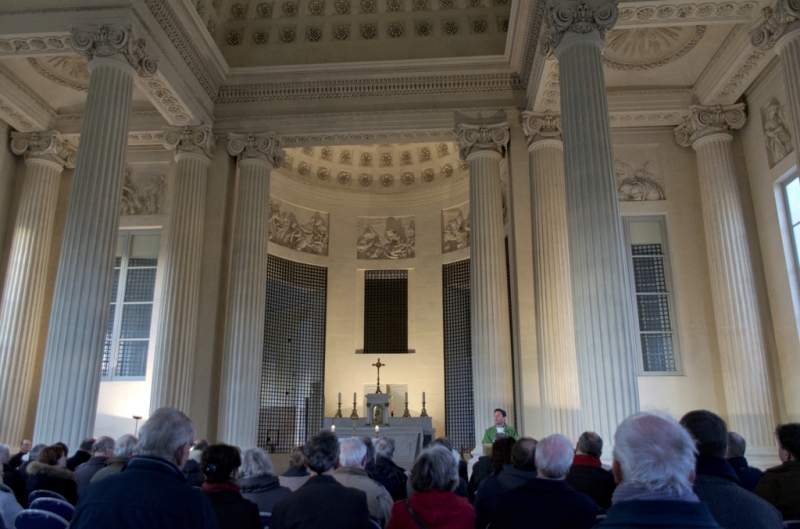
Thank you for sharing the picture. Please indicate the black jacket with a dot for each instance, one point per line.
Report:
(78, 458)
(596, 482)
(322, 502)
(781, 487)
(13, 480)
(264, 491)
(659, 514)
(387, 468)
(52, 478)
(233, 511)
(496, 484)
(191, 470)
(748, 476)
(731, 506)
(87, 470)
(545, 504)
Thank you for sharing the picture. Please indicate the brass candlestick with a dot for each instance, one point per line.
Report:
(424, 411)
(406, 413)
(354, 413)
(338, 412)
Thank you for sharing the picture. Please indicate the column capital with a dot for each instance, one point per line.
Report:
(541, 125)
(110, 40)
(473, 138)
(577, 16)
(703, 121)
(190, 140)
(263, 145)
(46, 145)
(776, 19)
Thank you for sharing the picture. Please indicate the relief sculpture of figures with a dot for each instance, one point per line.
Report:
(147, 199)
(455, 228)
(286, 230)
(396, 242)
(639, 184)
(776, 132)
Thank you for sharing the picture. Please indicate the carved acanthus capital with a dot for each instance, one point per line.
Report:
(703, 121)
(47, 145)
(262, 145)
(484, 137)
(578, 16)
(776, 20)
(107, 41)
(185, 140)
(538, 125)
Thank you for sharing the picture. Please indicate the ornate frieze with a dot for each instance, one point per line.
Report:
(579, 17)
(107, 41)
(776, 20)
(190, 140)
(702, 121)
(47, 145)
(686, 13)
(541, 125)
(386, 238)
(50, 44)
(777, 132)
(473, 138)
(145, 196)
(455, 228)
(262, 145)
(298, 228)
(637, 184)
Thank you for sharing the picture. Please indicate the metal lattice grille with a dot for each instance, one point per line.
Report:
(653, 307)
(386, 311)
(292, 377)
(459, 409)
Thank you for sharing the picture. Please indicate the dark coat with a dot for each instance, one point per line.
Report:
(113, 465)
(748, 476)
(549, 503)
(150, 493)
(731, 506)
(480, 471)
(16, 460)
(436, 508)
(191, 470)
(387, 468)
(49, 477)
(781, 487)
(387, 483)
(264, 491)
(233, 511)
(496, 484)
(660, 514)
(594, 481)
(86, 471)
(13, 480)
(78, 458)
(322, 502)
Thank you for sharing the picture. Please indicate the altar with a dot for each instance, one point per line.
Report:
(411, 434)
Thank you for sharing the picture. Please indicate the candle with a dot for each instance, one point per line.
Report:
(333, 428)
(423, 396)
(354, 397)
(340, 397)
(406, 397)
(377, 428)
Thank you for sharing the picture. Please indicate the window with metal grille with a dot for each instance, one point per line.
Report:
(131, 312)
(293, 372)
(459, 406)
(653, 290)
(385, 311)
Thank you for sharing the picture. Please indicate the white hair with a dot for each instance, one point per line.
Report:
(255, 463)
(126, 446)
(554, 455)
(164, 433)
(654, 452)
(384, 446)
(352, 452)
(5, 453)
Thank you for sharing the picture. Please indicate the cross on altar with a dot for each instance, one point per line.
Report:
(379, 366)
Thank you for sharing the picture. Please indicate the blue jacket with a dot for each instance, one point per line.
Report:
(748, 476)
(661, 514)
(149, 492)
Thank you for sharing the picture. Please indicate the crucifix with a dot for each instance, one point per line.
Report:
(379, 366)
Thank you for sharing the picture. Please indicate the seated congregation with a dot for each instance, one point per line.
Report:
(690, 473)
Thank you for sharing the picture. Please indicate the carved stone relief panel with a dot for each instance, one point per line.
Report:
(143, 194)
(385, 238)
(777, 131)
(639, 176)
(455, 228)
(298, 228)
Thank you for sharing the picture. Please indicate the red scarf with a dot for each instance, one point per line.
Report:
(584, 460)
(219, 487)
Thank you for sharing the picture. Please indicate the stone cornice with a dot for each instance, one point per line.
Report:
(107, 41)
(703, 121)
(538, 125)
(474, 138)
(678, 13)
(776, 20)
(184, 140)
(579, 17)
(47, 145)
(264, 146)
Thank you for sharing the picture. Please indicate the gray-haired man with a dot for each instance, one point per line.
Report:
(102, 449)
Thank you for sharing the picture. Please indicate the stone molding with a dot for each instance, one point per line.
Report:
(579, 17)
(776, 19)
(35, 44)
(538, 125)
(264, 146)
(110, 40)
(190, 140)
(648, 14)
(47, 145)
(703, 121)
(484, 137)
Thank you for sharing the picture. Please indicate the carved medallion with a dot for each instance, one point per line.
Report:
(646, 48)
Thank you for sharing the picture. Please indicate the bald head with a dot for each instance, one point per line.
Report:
(736, 445)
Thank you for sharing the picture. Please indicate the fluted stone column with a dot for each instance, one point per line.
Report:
(483, 147)
(781, 28)
(46, 154)
(256, 154)
(177, 325)
(71, 375)
(605, 337)
(555, 327)
(741, 341)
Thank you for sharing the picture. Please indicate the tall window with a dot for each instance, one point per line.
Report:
(386, 311)
(131, 312)
(792, 190)
(653, 290)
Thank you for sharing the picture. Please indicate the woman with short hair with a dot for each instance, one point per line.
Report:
(220, 464)
(433, 505)
(257, 481)
(49, 472)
